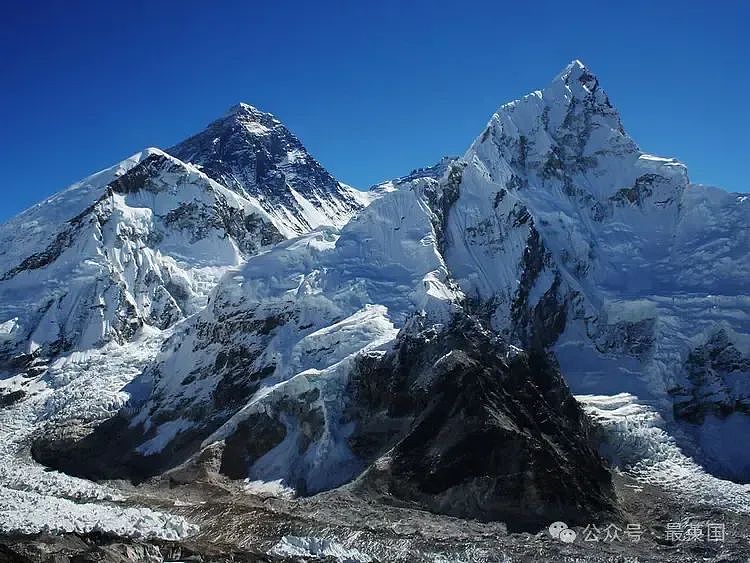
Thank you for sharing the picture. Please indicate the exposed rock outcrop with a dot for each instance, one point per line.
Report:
(462, 423)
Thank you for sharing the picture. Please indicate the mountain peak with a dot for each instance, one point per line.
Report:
(253, 154)
(575, 66)
(249, 118)
(566, 128)
(577, 78)
(573, 92)
(246, 110)
(242, 107)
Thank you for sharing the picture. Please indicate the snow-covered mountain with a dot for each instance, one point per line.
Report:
(255, 155)
(568, 235)
(309, 368)
(416, 344)
(144, 241)
(554, 228)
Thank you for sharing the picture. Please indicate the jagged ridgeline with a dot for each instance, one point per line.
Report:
(415, 345)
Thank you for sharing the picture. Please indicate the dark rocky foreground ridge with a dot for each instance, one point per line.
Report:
(463, 424)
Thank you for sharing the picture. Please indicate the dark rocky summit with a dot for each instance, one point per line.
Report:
(254, 154)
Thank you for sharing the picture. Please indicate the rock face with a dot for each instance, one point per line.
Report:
(253, 154)
(717, 372)
(451, 419)
(464, 424)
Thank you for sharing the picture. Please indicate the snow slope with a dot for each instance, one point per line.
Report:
(144, 241)
(93, 279)
(287, 327)
(145, 250)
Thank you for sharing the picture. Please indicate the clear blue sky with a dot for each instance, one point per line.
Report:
(373, 89)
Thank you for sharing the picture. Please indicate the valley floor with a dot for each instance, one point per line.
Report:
(342, 527)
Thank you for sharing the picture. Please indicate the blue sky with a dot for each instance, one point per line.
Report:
(373, 89)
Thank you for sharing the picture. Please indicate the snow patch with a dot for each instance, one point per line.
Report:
(165, 433)
(8, 327)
